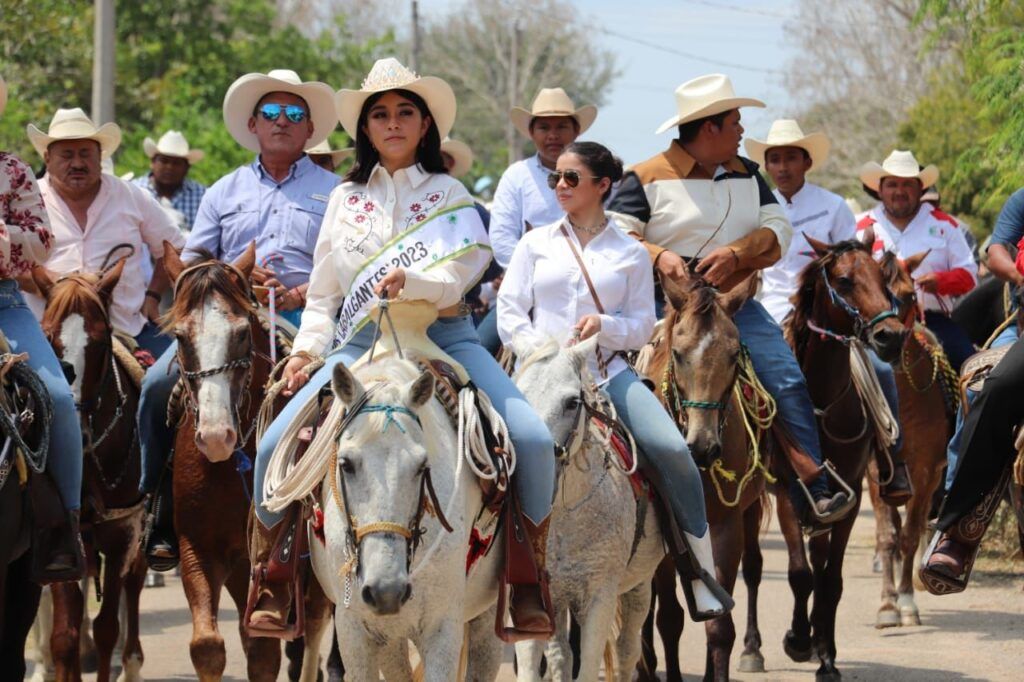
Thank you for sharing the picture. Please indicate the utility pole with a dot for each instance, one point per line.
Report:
(103, 62)
(513, 85)
(415, 36)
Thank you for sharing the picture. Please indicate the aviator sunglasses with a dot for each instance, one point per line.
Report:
(572, 178)
(293, 112)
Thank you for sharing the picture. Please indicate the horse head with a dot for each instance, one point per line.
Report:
(898, 277)
(77, 324)
(843, 294)
(384, 450)
(703, 348)
(212, 318)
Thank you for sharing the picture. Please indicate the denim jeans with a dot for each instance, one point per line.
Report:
(155, 437)
(488, 331)
(954, 340)
(153, 340)
(456, 336)
(887, 380)
(1005, 338)
(666, 457)
(24, 335)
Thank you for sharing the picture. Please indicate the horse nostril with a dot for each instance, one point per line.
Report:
(368, 596)
(714, 451)
(408, 593)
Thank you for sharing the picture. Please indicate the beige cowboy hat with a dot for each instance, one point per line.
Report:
(900, 164)
(172, 143)
(73, 124)
(390, 74)
(337, 155)
(552, 102)
(246, 92)
(461, 153)
(705, 96)
(3, 94)
(786, 132)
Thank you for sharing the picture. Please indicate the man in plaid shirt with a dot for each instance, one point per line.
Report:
(170, 161)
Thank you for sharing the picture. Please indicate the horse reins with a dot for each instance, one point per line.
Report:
(860, 324)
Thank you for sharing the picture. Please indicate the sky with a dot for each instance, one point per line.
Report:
(729, 35)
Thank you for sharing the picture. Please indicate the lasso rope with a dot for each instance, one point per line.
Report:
(15, 368)
(865, 382)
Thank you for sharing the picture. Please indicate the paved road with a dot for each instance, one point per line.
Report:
(976, 635)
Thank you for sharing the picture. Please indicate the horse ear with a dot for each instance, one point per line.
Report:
(172, 262)
(913, 262)
(105, 287)
(247, 260)
(868, 236)
(420, 391)
(581, 352)
(42, 279)
(346, 387)
(733, 300)
(890, 267)
(674, 292)
(820, 248)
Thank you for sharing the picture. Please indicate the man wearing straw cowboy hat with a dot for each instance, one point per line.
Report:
(171, 158)
(327, 158)
(701, 202)
(277, 201)
(787, 154)
(98, 218)
(905, 225)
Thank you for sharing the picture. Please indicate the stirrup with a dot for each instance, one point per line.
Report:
(287, 632)
(830, 472)
(719, 592)
(939, 583)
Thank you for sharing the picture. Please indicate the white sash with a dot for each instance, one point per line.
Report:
(444, 236)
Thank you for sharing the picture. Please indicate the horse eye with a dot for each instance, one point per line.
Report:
(844, 283)
(571, 404)
(346, 465)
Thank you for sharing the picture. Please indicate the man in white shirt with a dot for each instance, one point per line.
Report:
(787, 154)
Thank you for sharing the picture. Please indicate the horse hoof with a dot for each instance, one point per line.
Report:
(832, 675)
(89, 661)
(910, 618)
(797, 648)
(752, 662)
(887, 618)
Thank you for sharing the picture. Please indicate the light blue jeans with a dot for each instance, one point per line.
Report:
(456, 336)
(887, 380)
(1007, 337)
(666, 457)
(24, 335)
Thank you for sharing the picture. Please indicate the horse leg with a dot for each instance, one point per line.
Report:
(318, 618)
(20, 602)
(87, 654)
(106, 626)
(559, 647)
(42, 630)
(596, 620)
(827, 554)
(335, 665)
(529, 653)
(752, 660)
(885, 548)
(441, 648)
(295, 653)
(797, 640)
(485, 649)
(202, 581)
(361, 653)
(669, 617)
(647, 666)
(910, 537)
(67, 619)
(727, 544)
(635, 612)
(262, 654)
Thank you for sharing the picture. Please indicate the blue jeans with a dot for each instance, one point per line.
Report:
(151, 339)
(666, 457)
(1006, 337)
(887, 380)
(779, 372)
(954, 340)
(156, 438)
(488, 331)
(535, 450)
(24, 335)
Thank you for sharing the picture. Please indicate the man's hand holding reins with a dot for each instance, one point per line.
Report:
(671, 264)
(717, 266)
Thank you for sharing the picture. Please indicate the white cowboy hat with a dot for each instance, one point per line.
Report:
(3, 94)
(337, 155)
(786, 132)
(390, 74)
(552, 102)
(705, 96)
(73, 124)
(172, 143)
(900, 164)
(461, 153)
(246, 92)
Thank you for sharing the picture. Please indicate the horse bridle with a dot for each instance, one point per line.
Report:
(861, 325)
(677, 402)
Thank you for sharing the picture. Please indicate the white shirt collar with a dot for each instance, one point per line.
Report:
(414, 173)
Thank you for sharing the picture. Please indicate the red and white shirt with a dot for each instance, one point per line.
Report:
(938, 233)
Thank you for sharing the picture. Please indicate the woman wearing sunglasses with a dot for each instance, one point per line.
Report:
(551, 272)
(399, 186)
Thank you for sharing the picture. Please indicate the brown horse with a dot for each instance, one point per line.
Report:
(697, 371)
(919, 379)
(76, 322)
(842, 298)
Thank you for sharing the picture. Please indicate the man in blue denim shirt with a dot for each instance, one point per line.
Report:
(278, 202)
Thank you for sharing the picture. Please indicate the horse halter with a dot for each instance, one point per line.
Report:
(677, 404)
(861, 325)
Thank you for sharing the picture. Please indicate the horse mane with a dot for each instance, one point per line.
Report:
(196, 286)
(544, 351)
(797, 332)
(71, 294)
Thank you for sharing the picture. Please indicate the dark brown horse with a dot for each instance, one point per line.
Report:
(76, 322)
(696, 366)
(927, 395)
(842, 298)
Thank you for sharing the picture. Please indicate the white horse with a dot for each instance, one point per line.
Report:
(593, 526)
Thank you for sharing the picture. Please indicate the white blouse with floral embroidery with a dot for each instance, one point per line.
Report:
(360, 220)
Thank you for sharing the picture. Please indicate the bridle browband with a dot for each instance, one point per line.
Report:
(861, 325)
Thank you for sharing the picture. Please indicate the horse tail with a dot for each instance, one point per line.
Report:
(766, 510)
(611, 664)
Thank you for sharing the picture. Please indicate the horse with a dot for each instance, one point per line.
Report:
(927, 388)
(77, 324)
(696, 364)
(604, 544)
(842, 299)
(382, 470)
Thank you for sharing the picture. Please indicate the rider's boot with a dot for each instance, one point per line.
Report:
(162, 540)
(530, 605)
(898, 490)
(62, 551)
(269, 600)
(705, 597)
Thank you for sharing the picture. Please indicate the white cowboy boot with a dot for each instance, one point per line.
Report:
(707, 604)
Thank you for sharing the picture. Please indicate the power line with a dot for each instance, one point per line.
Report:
(688, 55)
(741, 10)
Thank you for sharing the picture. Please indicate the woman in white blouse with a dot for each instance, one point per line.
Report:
(544, 277)
(399, 186)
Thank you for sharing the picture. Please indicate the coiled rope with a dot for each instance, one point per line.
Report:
(13, 368)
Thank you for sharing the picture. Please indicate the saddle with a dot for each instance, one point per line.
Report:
(977, 368)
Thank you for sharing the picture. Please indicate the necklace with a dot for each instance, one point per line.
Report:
(589, 230)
